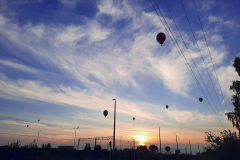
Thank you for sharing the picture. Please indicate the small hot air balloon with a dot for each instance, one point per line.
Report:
(161, 38)
(133, 118)
(167, 106)
(167, 148)
(38, 120)
(27, 125)
(200, 99)
(105, 113)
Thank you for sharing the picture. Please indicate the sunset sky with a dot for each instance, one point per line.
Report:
(63, 61)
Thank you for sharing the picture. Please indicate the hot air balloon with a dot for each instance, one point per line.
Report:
(38, 120)
(105, 113)
(167, 106)
(27, 125)
(133, 118)
(161, 38)
(167, 148)
(200, 99)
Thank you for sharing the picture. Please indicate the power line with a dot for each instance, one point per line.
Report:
(209, 52)
(189, 53)
(182, 55)
(201, 56)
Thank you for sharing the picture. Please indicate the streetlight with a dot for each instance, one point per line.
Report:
(177, 145)
(75, 136)
(114, 129)
(38, 136)
(120, 142)
(190, 147)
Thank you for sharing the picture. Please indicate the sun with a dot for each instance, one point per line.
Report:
(141, 139)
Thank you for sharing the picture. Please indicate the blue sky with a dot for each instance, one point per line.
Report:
(63, 61)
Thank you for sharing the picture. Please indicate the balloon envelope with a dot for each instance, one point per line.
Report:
(167, 148)
(161, 38)
(133, 118)
(200, 99)
(27, 125)
(167, 106)
(38, 120)
(105, 113)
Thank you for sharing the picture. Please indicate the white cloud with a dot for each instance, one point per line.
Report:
(18, 66)
(222, 22)
(226, 74)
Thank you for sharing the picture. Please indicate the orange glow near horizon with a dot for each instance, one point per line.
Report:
(141, 139)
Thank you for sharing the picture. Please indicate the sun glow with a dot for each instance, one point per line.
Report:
(141, 139)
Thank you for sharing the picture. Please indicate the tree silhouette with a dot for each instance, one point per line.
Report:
(46, 145)
(15, 144)
(225, 146)
(153, 148)
(234, 116)
(98, 148)
(142, 149)
(87, 147)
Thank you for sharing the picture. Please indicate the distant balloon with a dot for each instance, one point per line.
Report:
(38, 120)
(105, 113)
(167, 148)
(27, 125)
(161, 38)
(133, 118)
(167, 106)
(200, 99)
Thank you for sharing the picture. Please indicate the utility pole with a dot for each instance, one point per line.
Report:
(75, 136)
(177, 145)
(134, 146)
(198, 149)
(120, 142)
(38, 136)
(160, 144)
(190, 147)
(114, 129)
(185, 150)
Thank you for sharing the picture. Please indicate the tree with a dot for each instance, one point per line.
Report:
(234, 116)
(87, 147)
(225, 146)
(98, 148)
(15, 144)
(46, 145)
(153, 148)
(142, 149)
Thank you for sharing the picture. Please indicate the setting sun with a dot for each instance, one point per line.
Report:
(141, 139)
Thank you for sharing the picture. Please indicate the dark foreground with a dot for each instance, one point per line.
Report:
(7, 153)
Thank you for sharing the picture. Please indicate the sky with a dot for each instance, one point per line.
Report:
(63, 61)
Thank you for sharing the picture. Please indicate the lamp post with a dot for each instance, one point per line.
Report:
(177, 145)
(75, 136)
(120, 142)
(38, 136)
(114, 128)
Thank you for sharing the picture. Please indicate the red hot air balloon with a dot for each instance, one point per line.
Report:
(105, 113)
(161, 38)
